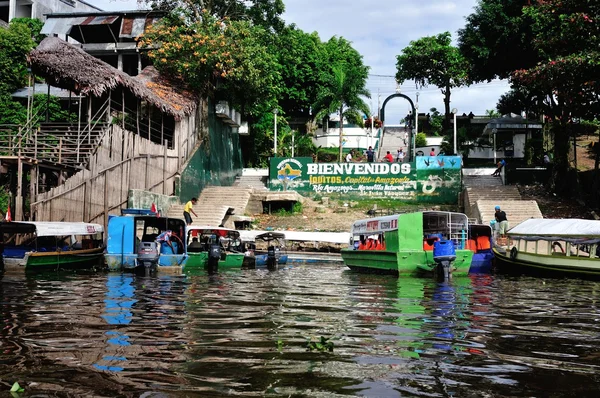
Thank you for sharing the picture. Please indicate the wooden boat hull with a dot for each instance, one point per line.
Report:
(408, 262)
(546, 265)
(43, 261)
(200, 260)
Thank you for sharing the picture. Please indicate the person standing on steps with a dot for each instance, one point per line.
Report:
(502, 221)
(370, 155)
(187, 209)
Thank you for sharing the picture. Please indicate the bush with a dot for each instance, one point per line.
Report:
(421, 140)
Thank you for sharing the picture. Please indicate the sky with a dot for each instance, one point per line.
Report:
(379, 30)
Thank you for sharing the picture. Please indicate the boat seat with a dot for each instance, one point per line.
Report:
(149, 237)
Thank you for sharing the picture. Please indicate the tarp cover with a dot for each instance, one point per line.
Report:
(557, 228)
(56, 228)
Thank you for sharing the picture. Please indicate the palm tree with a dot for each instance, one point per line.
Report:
(343, 96)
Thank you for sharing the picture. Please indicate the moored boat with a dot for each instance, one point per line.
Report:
(39, 245)
(212, 247)
(140, 239)
(411, 244)
(481, 242)
(273, 254)
(551, 247)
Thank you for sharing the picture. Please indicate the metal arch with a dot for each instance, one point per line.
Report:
(412, 105)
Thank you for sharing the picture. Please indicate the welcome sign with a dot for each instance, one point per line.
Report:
(431, 179)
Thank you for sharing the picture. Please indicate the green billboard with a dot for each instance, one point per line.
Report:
(431, 179)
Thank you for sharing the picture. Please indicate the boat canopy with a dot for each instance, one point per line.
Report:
(51, 228)
(375, 225)
(267, 236)
(208, 230)
(569, 230)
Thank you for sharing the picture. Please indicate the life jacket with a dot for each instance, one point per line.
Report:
(378, 245)
(483, 243)
(472, 245)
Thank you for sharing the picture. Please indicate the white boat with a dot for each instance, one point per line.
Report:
(552, 247)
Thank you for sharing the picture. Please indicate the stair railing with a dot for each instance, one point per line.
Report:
(99, 115)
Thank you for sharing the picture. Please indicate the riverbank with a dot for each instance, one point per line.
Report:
(338, 216)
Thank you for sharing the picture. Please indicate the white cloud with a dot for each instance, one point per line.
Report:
(379, 31)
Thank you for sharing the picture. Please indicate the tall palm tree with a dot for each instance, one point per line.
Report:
(343, 96)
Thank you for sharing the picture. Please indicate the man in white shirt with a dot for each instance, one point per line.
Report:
(349, 157)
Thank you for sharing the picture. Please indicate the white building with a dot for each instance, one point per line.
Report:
(10, 9)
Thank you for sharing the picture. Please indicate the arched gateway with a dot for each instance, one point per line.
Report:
(412, 106)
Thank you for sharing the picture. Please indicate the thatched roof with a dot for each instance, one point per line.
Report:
(66, 66)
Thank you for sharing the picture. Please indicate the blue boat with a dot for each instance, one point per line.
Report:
(481, 243)
(276, 253)
(140, 239)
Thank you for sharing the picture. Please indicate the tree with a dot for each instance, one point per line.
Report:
(552, 54)
(343, 89)
(263, 13)
(213, 53)
(303, 66)
(517, 101)
(497, 39)
(433, 60)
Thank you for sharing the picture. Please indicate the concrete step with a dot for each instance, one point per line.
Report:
(214, 204)
(516, 210)
(256, 182)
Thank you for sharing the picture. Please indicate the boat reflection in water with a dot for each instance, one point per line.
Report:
(120, 298)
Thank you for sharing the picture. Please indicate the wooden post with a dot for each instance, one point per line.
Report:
(164, 167)
(146, 182)
(60, 150)
(105, 199)
(137, 116)
(19, 196)
(89, 122)
(149, 121)
(32, 189)
(85, 201)
(48, 105)
(123, 108)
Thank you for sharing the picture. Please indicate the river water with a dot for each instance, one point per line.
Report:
(313, 330)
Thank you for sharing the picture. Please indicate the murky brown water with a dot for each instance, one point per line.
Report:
(245, 333)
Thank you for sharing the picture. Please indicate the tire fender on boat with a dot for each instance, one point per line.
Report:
(513, 253)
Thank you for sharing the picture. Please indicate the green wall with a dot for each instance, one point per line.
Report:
(216, 162)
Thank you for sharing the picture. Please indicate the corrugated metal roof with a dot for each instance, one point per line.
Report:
(42, 88)
(99, 20)
(60, 26)
(133, 27)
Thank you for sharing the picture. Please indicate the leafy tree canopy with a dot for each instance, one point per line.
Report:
(433, 60)
(264, 13)
(15, 44)
(215, 53)
(497, 39)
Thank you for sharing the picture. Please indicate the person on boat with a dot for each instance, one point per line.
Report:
(195, 245)
(502, 221)
(169, 246)
(432, 153)
(349, 157)
(187, 209)
(388, 157)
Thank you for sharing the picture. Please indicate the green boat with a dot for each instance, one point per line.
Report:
(403, 244)
(210, 247)
(33, 246)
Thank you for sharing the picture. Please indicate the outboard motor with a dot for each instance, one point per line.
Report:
(147, 255)
(444, 255)
(214, 255)
(271, 257)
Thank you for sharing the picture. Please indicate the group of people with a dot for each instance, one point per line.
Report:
(371, 243)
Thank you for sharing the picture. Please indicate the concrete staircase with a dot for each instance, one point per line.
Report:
(215, 205)
(516, 211)
(393, 139)
(251, 181)
(482, 193)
